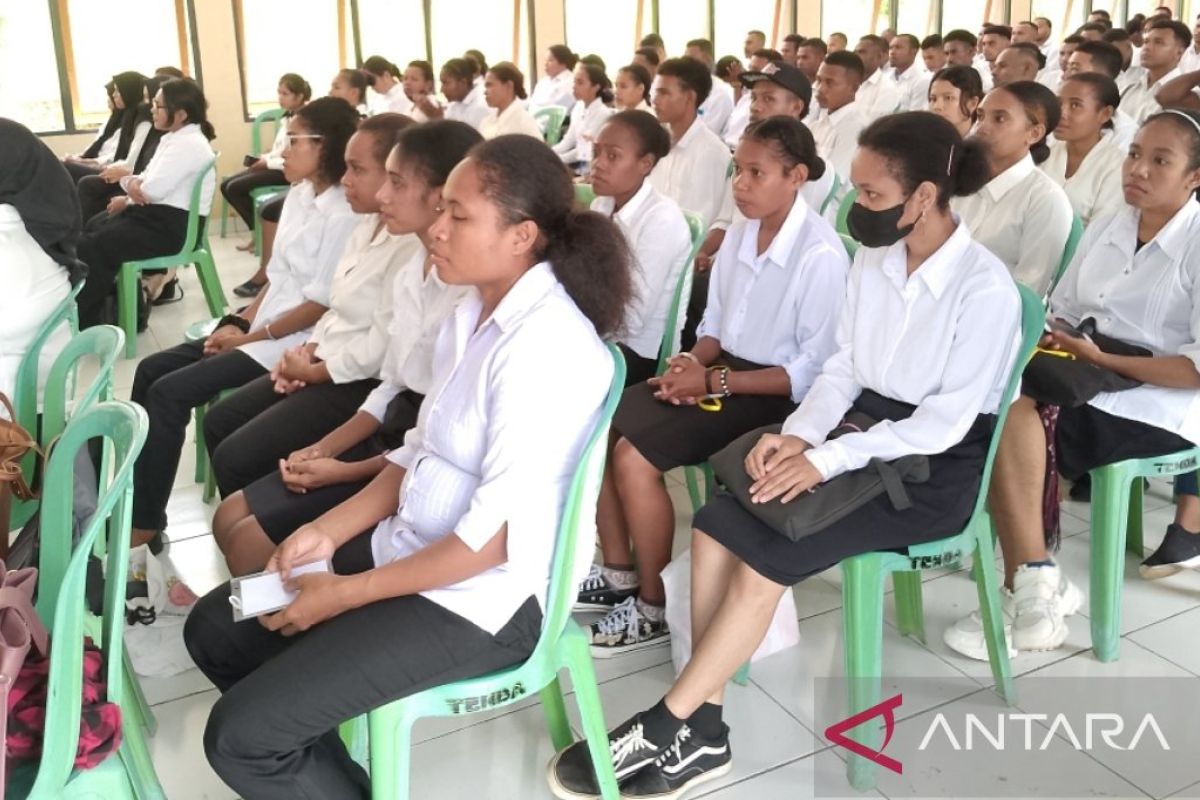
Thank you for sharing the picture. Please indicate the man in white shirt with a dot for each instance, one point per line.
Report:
(1018, 62)
(932, 54)
(1165, 42)
(1051, 77)
(959, 46)
(910, 78)
(740, 117)
(808, 60)
(755, 41)
(1045, 39)
(790, 49)
(836, 132)
(993, 41)
(717, 107)
(1191, 56)
(877, 94)
(1127, 73)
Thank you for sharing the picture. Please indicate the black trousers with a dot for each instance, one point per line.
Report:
(137, 232)
(250, 430)
(273, 208)
(272, 735)
(169, 384)
(94, 194)
(79, 171)
(237, 188)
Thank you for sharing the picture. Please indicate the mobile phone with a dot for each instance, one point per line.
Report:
(249, 161)
(264, 592)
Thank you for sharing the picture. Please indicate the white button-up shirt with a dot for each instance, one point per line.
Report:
(1139, 100)
(822, 195)
(1190, 62)
(492, 447)
(717, 107)
(738, 120)
(514, 119)
(877, 95)
(780, 307)
(660, 241)
(556, 91)
(913, 84)
(313, 232)
(1151, 298)
(1095, 188)
(586, 122)
(944, 339)
(471, 109)
(1051, 78)
(1123, 131)
(694, 173)
(836, 135)
(171, 175)
(1022, 216)
(420, 304)
(352, 335)
(274, 156)
(394, 100)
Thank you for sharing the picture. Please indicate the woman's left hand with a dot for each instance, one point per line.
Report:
(322, 596)
(1081, 347)
(788, 479)
(134, 190)
(682, 383)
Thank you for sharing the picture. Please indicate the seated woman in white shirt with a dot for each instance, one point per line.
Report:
(122, 135)
(344, 449)
(1083, 161)
(387, 87)
(151, 219)
(351, 86)
(464, 100)
(773, 300)
(627, 148)
(588, 115)
(39, 226)
(419, 88)
(921, 291)
(557, 88)
(631, 90)
(1021, 215)
(442, 563)
(503, 89)
(316, 222)
(313, 386)
(1134, 275)
(954, 95)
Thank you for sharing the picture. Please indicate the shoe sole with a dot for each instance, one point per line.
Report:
(601, 651)
(1153, 573)
(594, 606)
(1053, 642)
(560, 791)
(702, 778)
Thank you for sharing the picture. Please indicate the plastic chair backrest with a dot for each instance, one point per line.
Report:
(833, 191)
(579, 514)
(63, 572)
(850, 244)
(682, 289)
(844, 211)
(106, 343)
(270, 115)
(1068, 252)
(584, 194)
(26, 393)
(551, 118)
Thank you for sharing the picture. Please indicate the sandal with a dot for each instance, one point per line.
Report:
(248, 289)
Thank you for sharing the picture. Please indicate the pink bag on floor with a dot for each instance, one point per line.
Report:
(21, 630)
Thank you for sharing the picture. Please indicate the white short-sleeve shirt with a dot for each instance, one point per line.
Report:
(694, 173)
(1095, 188)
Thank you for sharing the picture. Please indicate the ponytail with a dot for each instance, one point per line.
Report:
(526, 180)
(1041, 108)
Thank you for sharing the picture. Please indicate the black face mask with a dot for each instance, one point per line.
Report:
(877, 228)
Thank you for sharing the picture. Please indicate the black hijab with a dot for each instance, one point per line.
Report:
(131, 86)
(110, 127)
(35, 182)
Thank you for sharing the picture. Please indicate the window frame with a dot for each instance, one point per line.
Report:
(64, 59)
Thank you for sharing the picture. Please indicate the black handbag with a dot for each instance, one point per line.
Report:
(1070, 383)
(828, 502)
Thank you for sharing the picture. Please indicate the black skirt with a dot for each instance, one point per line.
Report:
(1086, 438)
(638, 369)
(940, 507)
(670, 436)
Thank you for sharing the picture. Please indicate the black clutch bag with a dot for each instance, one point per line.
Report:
(1069, 382)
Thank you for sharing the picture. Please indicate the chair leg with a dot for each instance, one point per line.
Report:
(910, 608)
(210, 282)
(127, 289)
(224, 214)
(390, 738)
(988, 587)
(1133, 535)
(139, 766)
(556, 715)
(587, 695)
(1110, 508)
(201, 446)
(693, 487)
(862, 621)
(133, 690)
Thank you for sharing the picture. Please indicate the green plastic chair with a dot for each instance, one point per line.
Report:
(129, 773)
(259, 198)
(844, 211)
(850, 245)
(271, 115)
(204, 474)
(551, 119)
(829, 198)
(1116, 528)
(1068, 252)
(584, 194)
(667, 348)
(863, 582)
(562, 644)
(195, 251)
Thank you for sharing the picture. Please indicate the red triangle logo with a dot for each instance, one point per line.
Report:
(836, 733)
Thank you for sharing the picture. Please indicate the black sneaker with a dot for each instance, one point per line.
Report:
(597, 594)
(1179, 550)
(688, 762)
(248, 289)
(625, 629)
(1081, 489)
(572, 777)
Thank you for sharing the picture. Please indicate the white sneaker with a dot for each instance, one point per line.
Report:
(966, 635)
(1042, 596)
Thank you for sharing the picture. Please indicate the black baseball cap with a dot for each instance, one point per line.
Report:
(782, 74)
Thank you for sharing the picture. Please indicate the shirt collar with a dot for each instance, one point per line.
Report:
(531, 287)
(1174, 236)
(327, 199)
(630, 210)
(837, 116)
(1174, 73)
(793, 225)
(1000, 185)
(937, 270)
(875, 78)
(690, 135)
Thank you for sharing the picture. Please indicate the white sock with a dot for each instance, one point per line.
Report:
(651, 612)
(620, 578)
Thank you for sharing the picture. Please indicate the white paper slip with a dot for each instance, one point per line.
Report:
(262, 593)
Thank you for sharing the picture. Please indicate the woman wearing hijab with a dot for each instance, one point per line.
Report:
(123, 136)
(39, 225)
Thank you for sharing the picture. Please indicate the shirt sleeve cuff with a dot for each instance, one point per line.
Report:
(828, 459)
(403, 456)
(378, 400)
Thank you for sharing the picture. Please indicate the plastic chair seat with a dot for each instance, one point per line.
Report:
(1116, 528)
(551, 119)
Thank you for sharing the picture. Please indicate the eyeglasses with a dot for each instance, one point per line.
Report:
(292, 137)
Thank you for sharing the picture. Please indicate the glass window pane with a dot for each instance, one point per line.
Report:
(918, 17)
(735, 18)
(149, 25)
(970, 15)
(853, 18)
(681, 20)
(29, 90)
(1056, 12)
(282, 36)
(461, 25)
(607, 29)
(394, 29)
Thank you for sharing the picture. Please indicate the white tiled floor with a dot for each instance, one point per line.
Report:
(773, 719)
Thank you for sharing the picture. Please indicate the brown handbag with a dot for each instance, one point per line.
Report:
(15, 442)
